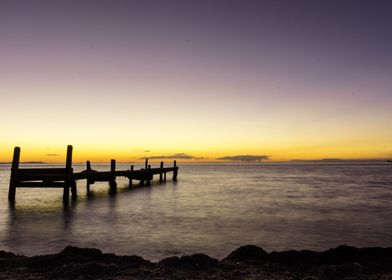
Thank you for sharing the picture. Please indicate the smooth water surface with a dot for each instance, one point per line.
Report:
(213, 208)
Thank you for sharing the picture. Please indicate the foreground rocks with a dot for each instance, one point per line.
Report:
(247, 262)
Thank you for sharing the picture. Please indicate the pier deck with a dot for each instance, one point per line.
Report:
(66, 179)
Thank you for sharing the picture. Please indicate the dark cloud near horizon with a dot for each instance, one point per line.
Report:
(322, 159)
(175, 156)
(245, 158)
(52, 155)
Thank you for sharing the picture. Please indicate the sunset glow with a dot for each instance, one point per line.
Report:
(115, 85)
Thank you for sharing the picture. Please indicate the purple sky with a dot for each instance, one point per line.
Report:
(288, 79)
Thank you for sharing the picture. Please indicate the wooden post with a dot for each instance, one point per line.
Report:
(74, 190)
(112, 182)
(88, 165)
(68, 161)
(175, 171)
(130, 178)
(141, 183)
(160, 173)
(14, 170)
(68, 179)
(88, 169)
(149, 174)
(113, 169)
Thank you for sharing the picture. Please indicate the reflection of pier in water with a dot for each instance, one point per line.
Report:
(28, 226)
(66, 179)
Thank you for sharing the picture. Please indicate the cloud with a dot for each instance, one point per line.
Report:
(317, 160)
(246, 158)
(175, 156)
(147, 151)
(52, 155)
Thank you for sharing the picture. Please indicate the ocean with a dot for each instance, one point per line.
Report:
(212, 208)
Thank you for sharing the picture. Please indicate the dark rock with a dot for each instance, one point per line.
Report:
(340, 255)
(343, 270)
(247, 262)
(6, 255)
(376, 259)
(196, 261)
(298, 258)
(310, 278)
(9, 260)
(247, 253)
(106, 258)
(75, 270)
(135, 262)
(68, 255)
(80, 252)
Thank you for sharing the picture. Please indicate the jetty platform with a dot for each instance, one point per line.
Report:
(66, 179)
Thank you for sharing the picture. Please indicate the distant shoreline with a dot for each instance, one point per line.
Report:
(250, 262)
(27, 162)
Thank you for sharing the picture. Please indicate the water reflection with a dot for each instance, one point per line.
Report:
(29, 226)
(211, 209)
(40, 223)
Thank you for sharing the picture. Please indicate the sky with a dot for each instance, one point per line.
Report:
(196, 80)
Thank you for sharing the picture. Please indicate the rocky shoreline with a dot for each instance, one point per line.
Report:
(247, 262)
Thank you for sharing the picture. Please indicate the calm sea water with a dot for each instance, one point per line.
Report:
(213, 208)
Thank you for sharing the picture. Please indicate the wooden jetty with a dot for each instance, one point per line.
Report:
(66, 179)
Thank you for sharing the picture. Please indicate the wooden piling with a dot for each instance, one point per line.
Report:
(88, 166)
(112, 182)
(14, 170)
(160, 174)
(88, 170)
(146, 164)
(175, 170)
(113, 168)
(74, 190)
(130, 178)
(68, 171)
(148, 175)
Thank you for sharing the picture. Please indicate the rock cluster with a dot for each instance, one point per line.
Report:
(247, 262)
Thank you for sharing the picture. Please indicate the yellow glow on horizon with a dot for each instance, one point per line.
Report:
(56, 154)
(101, 128)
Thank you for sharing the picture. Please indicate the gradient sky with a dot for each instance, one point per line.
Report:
(127, 79)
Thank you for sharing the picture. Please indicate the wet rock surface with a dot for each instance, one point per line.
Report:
(247, 262)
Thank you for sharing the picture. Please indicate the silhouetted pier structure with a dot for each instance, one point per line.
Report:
(66, 179)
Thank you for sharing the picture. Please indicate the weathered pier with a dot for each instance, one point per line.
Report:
(66, 178)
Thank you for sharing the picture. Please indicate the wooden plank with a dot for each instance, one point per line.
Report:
(80, 176)
(41, 185)
(161, 170)
(41, 170)
(38, 177)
